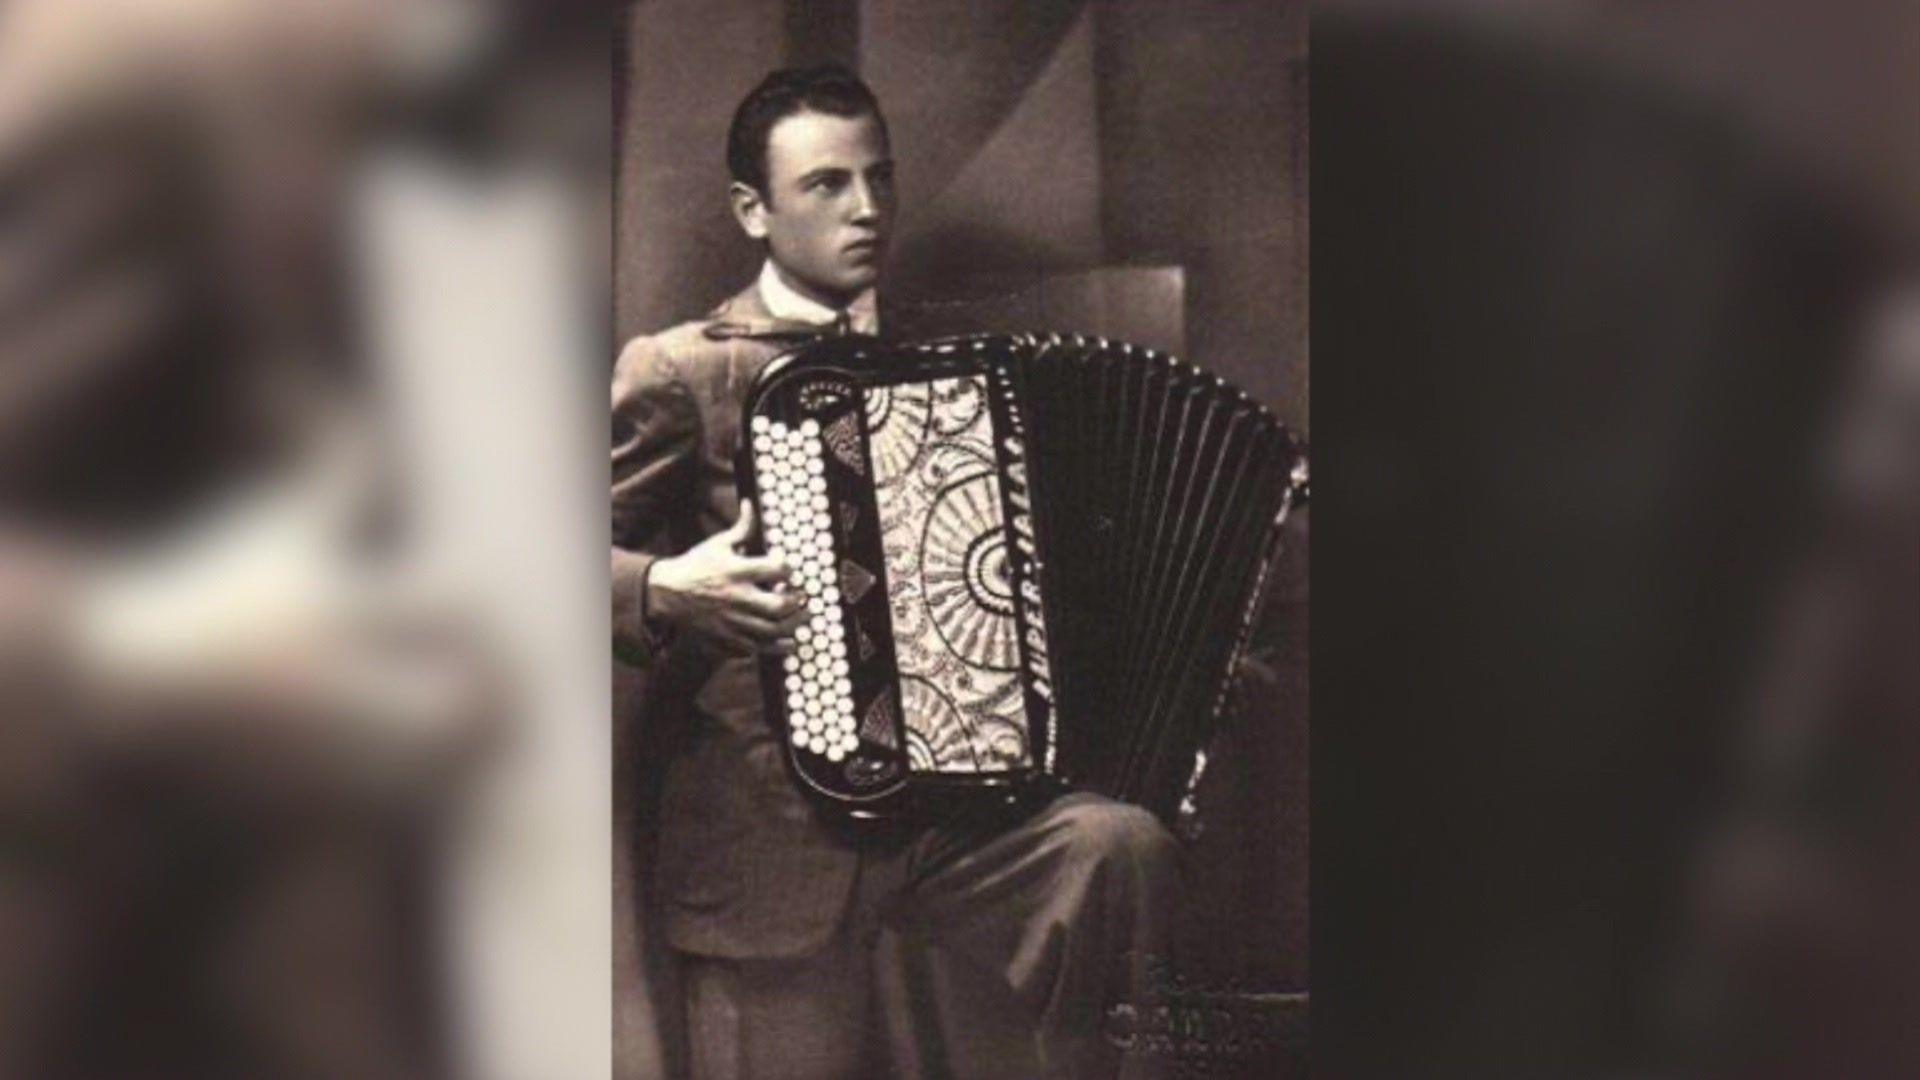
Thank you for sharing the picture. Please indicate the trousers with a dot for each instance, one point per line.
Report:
(969, 951)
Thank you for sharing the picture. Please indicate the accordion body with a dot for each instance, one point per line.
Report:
(1029, 563)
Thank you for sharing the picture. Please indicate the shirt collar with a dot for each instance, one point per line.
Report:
(784, 303)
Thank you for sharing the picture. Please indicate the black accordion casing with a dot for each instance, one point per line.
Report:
(1029, 562)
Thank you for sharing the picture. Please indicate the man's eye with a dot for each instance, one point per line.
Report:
(829, 183)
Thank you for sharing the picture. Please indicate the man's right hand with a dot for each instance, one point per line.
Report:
(716, 591)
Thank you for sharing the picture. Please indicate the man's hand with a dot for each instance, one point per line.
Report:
(716, 591)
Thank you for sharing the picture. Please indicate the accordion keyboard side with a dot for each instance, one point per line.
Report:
(898, 493)
(832, 700)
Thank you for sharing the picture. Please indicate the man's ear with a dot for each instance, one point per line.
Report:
(749, 209)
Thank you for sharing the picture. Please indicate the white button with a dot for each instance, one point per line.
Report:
(799, 737)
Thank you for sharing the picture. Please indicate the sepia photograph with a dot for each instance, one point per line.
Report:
(950, 704)
(959, 483)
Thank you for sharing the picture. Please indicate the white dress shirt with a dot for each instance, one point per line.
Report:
(783, 302)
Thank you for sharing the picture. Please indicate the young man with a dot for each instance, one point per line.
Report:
(977, 949)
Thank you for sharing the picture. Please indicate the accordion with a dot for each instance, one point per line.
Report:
(1029, 562)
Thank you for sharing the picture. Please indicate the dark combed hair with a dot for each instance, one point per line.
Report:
(828, 88)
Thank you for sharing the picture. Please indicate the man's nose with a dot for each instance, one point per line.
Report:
(866, 203)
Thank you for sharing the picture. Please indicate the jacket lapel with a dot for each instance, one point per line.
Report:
(745, 315)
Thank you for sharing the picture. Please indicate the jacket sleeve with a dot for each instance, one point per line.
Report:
(656, 447)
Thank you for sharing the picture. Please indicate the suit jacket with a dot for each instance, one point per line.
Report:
(745, 866)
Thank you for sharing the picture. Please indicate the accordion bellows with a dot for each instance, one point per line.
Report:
(1028, 561)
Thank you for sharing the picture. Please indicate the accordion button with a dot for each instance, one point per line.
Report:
(815, 466)
(761, 423)
(798, 737)
(809, 427)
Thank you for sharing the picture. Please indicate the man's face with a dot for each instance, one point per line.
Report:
(828, 210)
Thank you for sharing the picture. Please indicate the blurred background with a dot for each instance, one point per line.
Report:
(1134, 170)
(302, 625)
(1617, 617)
